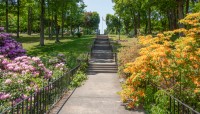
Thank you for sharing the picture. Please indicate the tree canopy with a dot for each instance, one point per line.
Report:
(50, 17)
(151, 16)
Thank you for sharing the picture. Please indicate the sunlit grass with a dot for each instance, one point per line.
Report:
(67, 45)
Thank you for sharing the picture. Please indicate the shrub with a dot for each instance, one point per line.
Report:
(170, 65)
(21, 77)
(128, 53)
(79, 34)
(79, 77)
(9, 47)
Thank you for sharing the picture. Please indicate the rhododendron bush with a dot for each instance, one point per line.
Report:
(9, 47)
(21, 75)
(173, 66)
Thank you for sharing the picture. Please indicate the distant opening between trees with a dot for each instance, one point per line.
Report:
(48, 17)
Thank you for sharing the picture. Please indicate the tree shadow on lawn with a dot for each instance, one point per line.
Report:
(33, 39)
(75, 46)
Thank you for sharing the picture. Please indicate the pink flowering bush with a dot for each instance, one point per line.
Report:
(58, 65)
(9, 47)
(20, 77)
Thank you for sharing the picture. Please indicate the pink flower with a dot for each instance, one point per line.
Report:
(4, 62)
(36, 59)
(8, 81)
(4, 96)
(20, 81)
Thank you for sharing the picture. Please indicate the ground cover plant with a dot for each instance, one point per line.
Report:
(170, 64)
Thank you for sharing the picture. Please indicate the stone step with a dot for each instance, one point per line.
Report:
(102, 47)
(101, 51)
(102, 36)
(113, 63)
(103, 66)
(101, 61)
(102, 71)
(102, 56)
(101, 42)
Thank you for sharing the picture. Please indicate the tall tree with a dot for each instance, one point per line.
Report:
(6, 15)
(42, 4)
(18, 10)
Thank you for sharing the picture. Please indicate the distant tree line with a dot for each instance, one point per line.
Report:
(50, 17)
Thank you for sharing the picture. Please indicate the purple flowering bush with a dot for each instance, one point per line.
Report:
(9, 47)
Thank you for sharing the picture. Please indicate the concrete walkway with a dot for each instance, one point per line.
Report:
(97, 96)
(99, 93)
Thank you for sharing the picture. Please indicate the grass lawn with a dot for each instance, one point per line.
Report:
(71, 47)
(67, 45)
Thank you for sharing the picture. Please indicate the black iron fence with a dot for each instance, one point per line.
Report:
(43, 100)
(173, 105)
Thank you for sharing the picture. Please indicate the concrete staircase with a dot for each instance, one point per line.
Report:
(102, 68)
(102, 58)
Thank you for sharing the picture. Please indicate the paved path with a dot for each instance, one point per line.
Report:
(99, 93)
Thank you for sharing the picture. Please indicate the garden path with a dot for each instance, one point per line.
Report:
(99, 93)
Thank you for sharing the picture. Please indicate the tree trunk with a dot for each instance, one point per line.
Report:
(18, 5)
(138, 20)
(62, 24)
(52, 20)
(29, 20)
(49, 23)
(135, 24)
(71, 31)
(6, 15)
(180, 11)
(57, 28)
(146, 24)
(169, 16)
(42, 23)
(149, 21)
(187, 6)
(175, 19)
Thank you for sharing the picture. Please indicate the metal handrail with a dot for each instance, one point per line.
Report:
(185, 107)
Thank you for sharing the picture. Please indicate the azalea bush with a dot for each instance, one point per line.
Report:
(9, 47)
(128, 53)
(172, 65)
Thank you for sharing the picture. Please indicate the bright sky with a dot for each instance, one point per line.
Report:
(103, 7)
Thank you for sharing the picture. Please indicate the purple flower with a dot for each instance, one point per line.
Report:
(1, 29)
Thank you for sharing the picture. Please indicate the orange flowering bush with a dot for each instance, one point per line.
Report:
(127, 53)
(171, 65)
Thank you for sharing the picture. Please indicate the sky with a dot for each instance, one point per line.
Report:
(103, 7)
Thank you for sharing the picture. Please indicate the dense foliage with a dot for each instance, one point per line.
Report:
(149, 16)
(171, 61)
(50, 17)
(9, 47)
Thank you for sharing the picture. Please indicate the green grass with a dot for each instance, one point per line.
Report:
(67, 45)
(71, 47)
